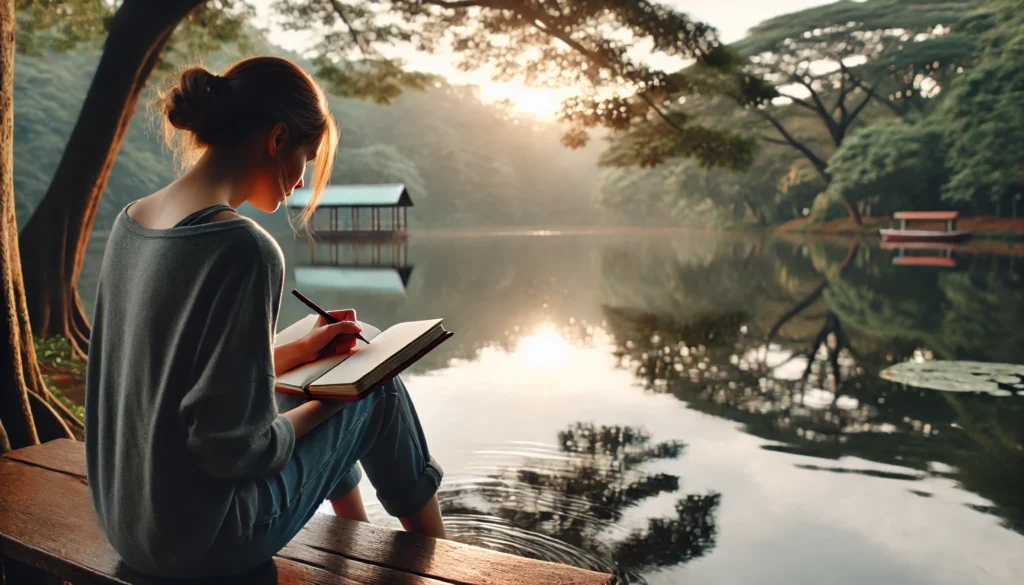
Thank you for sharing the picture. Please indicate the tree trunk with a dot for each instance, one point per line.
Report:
(55, 238)
(756, 213)
(852, 210)
(23, 396)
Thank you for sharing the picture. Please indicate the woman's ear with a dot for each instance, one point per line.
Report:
(278, 138)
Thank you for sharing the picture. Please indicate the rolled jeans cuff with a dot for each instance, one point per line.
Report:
(414, 499)
(346, 483)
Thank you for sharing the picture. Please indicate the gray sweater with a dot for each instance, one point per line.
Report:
(179, 408)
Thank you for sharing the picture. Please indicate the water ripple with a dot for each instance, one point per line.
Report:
(566, 502)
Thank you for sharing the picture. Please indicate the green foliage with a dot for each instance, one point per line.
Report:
(65, 25)
(826, 207)
(377, 164)
(575, 42)
(846, 70)
(54, 353)
(774, 183)
(891, 166)
(650, 143)
(55, 357)
(467, 163)
(213, 25)
(986, 112)
(961, 155)
(60, 25)
(832, 61)
(381, 80)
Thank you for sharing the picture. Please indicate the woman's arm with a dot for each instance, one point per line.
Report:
(306, 416)
(323, 339)
(291, 355)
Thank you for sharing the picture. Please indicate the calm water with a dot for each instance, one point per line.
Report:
(705, 408)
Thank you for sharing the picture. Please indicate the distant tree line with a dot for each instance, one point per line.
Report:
(874, 106)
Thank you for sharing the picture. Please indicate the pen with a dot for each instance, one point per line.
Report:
(327, 316)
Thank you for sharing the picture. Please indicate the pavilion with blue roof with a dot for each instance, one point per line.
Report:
(377, 199)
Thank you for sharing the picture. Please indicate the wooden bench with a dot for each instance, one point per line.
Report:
(48, 526)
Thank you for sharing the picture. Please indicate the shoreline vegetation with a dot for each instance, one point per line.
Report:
(981, 227)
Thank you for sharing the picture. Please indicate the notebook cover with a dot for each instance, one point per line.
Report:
(387, 377)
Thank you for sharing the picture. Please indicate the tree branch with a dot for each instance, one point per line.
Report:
(860, 106)
(815, 160)
(823, 112)
(799, 102)
(872, 95)
(339, 9)
(796, 310)
(843, 91)
(671, 123)
(543, 24)
(458, 4)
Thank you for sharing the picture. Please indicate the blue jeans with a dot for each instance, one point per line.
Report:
(381, 431)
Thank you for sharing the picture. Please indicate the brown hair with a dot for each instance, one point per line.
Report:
(222, 110)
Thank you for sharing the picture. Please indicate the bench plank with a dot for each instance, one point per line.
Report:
(46, 521)
(61, 455)
(444, 560)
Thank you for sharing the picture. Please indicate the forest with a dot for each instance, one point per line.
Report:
(875, 106)
(882, 105)
(465, 163)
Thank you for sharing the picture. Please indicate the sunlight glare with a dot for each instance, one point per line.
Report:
(543, 349)
(542, 103)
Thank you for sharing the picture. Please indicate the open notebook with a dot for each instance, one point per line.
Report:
(350, 377)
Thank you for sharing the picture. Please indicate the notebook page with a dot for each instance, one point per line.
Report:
(384, 348)
(304, 375)
(301, 327)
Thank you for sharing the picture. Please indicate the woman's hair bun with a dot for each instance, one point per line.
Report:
(193, 104)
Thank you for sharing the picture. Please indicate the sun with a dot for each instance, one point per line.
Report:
(544, 348)
(540, 103)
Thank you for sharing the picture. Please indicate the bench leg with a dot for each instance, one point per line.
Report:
(13, 572)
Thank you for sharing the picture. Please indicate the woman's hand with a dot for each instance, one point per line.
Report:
(326, 339)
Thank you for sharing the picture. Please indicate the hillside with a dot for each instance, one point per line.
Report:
(465, 162)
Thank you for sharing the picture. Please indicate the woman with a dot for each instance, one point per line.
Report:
(194, 470)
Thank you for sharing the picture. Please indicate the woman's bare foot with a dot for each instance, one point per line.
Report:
(427, 521)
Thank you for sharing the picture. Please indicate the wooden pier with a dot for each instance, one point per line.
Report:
(902, 234)
(49, 534)
(370, 213)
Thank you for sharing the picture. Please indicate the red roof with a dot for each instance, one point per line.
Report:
(927, 215)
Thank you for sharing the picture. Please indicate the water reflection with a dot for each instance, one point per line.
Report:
(575, 496)
(764, 356)
(741, 365)
(378, 268)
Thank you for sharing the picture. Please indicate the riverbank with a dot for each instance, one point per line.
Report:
(994, 228)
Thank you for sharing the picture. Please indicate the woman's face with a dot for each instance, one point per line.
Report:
(282, 170)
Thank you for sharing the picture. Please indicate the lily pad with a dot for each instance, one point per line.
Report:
(958, 376)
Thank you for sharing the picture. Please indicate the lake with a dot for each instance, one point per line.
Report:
(700, 407)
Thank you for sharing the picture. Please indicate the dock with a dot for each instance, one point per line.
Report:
(49, 533)
(903, 234)
(361, 213)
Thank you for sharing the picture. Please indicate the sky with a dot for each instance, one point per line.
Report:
(732, 18)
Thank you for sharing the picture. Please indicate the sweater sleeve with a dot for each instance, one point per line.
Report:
(230, 415)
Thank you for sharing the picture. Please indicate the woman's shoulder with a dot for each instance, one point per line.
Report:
(260, 245)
